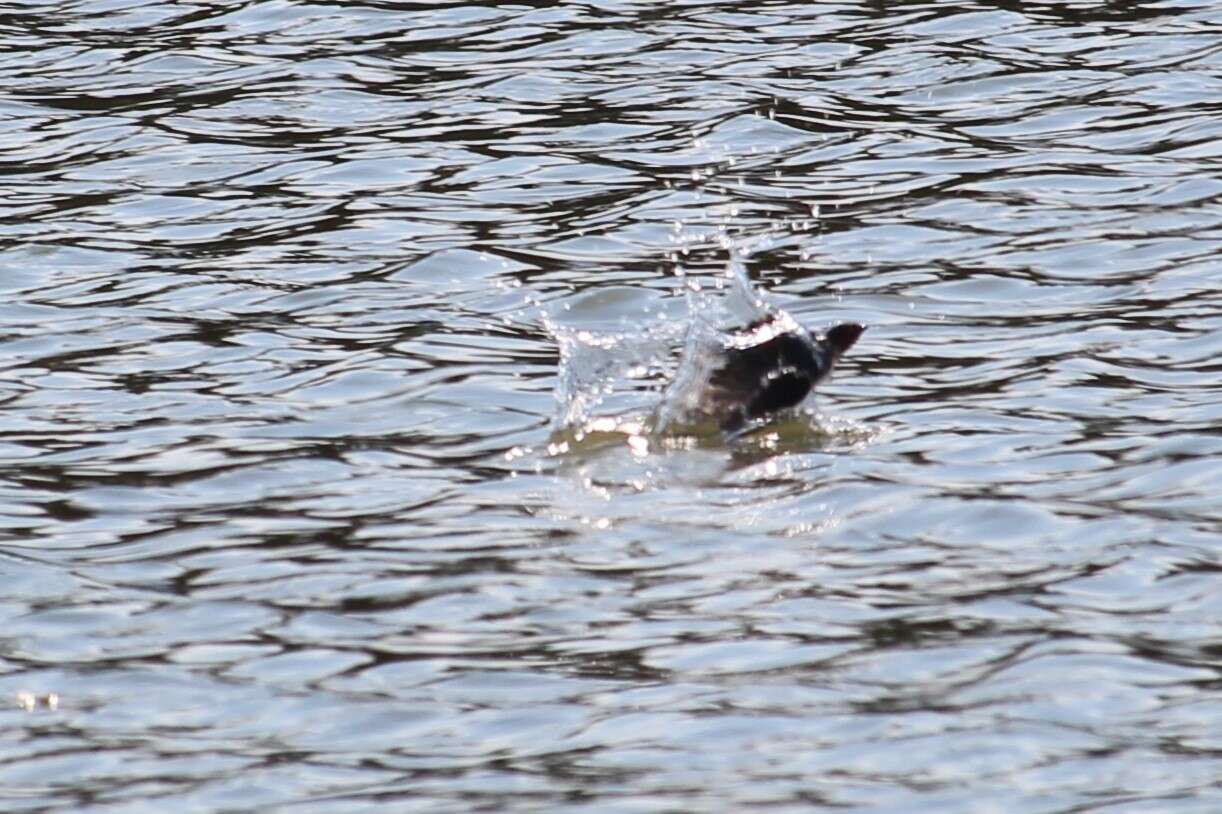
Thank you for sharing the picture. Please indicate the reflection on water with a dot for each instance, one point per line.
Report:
(279, 528)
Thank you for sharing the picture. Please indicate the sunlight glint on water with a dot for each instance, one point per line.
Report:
(291, 516)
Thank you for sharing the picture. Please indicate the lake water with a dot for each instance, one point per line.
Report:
(285, 523)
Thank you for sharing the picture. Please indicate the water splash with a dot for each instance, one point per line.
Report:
(604, 373)
(641, 384)
(710, 316)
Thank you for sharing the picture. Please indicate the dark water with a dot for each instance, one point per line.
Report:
(280, 530)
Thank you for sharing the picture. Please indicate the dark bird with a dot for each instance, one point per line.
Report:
(770, 365)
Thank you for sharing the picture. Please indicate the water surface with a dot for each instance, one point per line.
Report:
(279, 526)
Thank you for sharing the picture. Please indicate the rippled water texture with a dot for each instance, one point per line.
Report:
(280, 525)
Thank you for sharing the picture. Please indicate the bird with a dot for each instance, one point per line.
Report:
(767, 366)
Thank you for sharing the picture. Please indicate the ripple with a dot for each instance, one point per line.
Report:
(281, 288)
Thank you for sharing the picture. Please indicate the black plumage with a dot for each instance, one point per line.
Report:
(771, 365)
